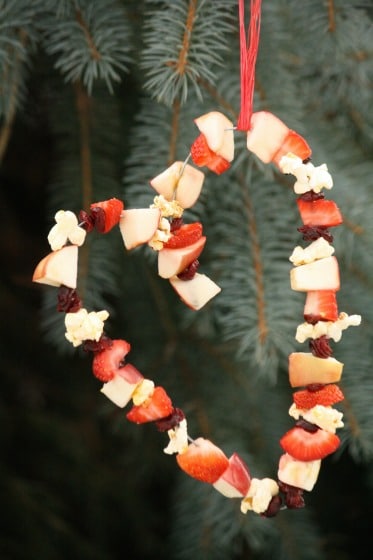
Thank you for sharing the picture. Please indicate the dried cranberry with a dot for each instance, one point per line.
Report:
(165, 424)
(307, 426)
(293, 495)
(176, 223)
(189, 271)
(86, 221)
(68, 300)
(97, 345)
(273, 507)
(98, 216)
(311, 195)
(312, 387)
(320, 347)
(311, 233)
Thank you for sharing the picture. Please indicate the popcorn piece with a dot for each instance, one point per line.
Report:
(259, 495)
(66, 229)
(308, 176)
(169, 209)
(316, 250)
(143, 391)
(162, 234)
(301, 474)
(82, 325)
(331, 329)
(325, 417)
(178, 439)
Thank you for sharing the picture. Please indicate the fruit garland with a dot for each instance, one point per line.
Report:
(315, 374)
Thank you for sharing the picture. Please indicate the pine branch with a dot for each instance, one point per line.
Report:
(90, 42)
(198, 34)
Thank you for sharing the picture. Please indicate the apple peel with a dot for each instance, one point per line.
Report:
(58, 268)
(198, 291)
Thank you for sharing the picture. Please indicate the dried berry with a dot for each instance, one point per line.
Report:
(168, 423)
(293, 496)
(307, 426)
(313, 387)
(86, 221)
(320, 347)
(68, 300)
(189, 271)
(97, 345)
(311, 195)
(175, 224)
(311, 233)
(274, 507)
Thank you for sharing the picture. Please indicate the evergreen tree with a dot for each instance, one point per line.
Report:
(96, 98)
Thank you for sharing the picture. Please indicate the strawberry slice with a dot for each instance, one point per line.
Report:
(319, 212)
(309, 446)
(108, 362)
(320, 305)
(295, 144)
(106, 214)
(202, 155)
(155, 407)
(326, 395)
(185, 235)
(203, 461)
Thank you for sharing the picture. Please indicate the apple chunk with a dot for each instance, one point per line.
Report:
(121, 388)
(165, 183)
(138, 225)
(183, 182)
(195, 293)
(59, 268)
(235, 480)
(218, 131)
(301, 474)
(189, 186)
(305, 369)
(266, 135)
(322, 274)
(173, 261)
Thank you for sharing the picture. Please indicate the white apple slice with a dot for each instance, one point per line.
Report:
(235, 480)
(58, 268)
(189, 186)
(138, 225)
(301, 474)
(183, 182)
(195, 293)
(173, 261)
(322, 274)
(305, 369)
(165, 183)
(266, 135)
(218, 131)
(121, 388)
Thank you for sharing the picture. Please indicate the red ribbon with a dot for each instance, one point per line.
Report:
(248, 55)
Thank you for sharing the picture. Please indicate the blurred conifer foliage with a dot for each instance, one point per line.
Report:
(96, 98)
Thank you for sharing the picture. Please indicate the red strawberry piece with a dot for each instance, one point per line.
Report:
(218, 165)
(327, 395)
(294, 143)
(106, 214)
(309, 446)
(320, 305)
(319, 212)
(108, 362)
(202, 155)
(155, 407)
(185, 235)
(203, 461)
